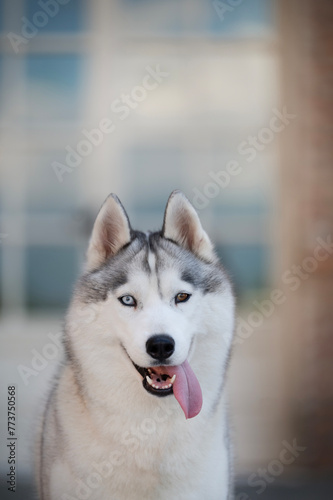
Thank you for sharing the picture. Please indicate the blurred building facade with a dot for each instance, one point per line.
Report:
(65, 70)
(140, 97)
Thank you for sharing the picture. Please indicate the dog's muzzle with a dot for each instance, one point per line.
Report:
(164, 379)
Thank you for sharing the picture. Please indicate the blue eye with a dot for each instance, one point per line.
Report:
(128, 300)
(182, 297)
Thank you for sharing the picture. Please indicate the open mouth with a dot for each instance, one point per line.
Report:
(178, 380)
(156, 380)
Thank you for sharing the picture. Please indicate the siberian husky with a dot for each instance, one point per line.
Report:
(138, 411)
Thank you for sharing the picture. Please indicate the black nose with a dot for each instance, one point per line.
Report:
(160, 346)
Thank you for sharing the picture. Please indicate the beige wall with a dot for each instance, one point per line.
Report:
(306, 205)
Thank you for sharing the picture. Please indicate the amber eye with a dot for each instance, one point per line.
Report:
(128, 300)
(182, 297)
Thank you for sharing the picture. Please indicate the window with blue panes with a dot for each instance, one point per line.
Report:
(51, 272)
(247, 265)
(249, 18)
(62, 18)
(54, 86)
(46, 86)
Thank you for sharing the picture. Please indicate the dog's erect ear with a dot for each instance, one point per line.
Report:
(182, 225)
(111, 231)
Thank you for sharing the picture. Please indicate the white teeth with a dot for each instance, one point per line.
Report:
(150, 382)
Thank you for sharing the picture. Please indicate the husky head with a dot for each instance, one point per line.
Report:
(147, 303)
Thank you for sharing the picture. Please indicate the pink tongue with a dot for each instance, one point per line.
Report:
(186, 388)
